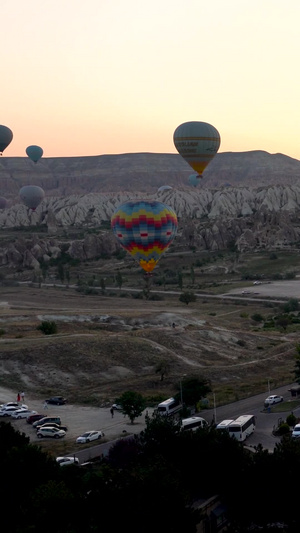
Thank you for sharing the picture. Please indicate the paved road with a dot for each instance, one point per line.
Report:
(264, 421)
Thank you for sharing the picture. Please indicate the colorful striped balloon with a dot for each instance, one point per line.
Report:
(197, 143)
(145, 229)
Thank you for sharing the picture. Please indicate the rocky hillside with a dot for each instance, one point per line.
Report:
(82, 193)
(143, 172)
(251, 219)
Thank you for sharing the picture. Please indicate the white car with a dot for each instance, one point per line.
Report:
(64, 461)
(53, 433)
(88, 436)
(8, 410)
(13, 404)
(271, 400)
(22, 413)
(296, 431)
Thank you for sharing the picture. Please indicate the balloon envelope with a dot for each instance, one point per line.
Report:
(164, 188)
(31, 196)
(194, 179)
(197, 143)
(34, 152)
(3, 202)
(145, 229)
(6, 136)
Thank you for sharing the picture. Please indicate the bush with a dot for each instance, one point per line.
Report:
(291, 420)
(47, 327)
(257, 317)
(283, 429)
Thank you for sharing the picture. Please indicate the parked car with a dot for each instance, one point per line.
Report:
(33, 418)
(271, 400)
(13, 404)
(56, 400)
(22, 413)
(7, 411)
(88, 436)
(52, 425)
(53, 433)
(296, 431)
(41, 421)
(64, 461)
(117, 406)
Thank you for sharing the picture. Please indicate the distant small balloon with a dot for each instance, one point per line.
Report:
(6, 136)
(31, 196)
(34, 152)
(194, 179)
(164, 188)
(3, 202)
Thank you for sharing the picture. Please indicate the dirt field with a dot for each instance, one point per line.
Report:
(107, 345)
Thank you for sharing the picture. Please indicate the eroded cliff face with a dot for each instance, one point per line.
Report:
(248, 199)
(251, 219)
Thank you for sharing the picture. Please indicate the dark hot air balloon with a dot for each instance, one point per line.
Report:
(34, 152)
(6, 136)
(197, 143)
(31, 196)
(145, 229)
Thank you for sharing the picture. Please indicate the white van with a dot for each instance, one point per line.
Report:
(169, 407)
(193, 423)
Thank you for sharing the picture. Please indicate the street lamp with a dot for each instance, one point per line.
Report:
(181, 396)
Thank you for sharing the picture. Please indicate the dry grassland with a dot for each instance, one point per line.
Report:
(107, 345)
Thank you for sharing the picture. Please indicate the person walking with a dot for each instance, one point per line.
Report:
(22, 396)
(18, 397)
(112, 412)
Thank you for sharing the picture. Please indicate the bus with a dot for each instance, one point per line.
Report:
(242, 427)
(193, 423)
(224, 424)
(169, 407)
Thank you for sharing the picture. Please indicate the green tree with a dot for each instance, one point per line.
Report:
(119, 279)
(297, 364)
(291, 305)
(68, 276)
(133, 404)
(61, 272)
(193, 389)
(192, 275)
(47, 327)
(102, 285)
(180, 280)
(187, 297)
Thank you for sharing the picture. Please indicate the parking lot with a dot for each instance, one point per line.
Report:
(78, 419)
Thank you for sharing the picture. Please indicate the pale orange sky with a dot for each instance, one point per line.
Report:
(95, 77)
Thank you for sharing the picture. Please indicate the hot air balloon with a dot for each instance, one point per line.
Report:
(6, 136)
(31, 196)
(164, 188)
(194, 179)
(145, 229)
(3, 203)
(197, 143)
(34, 152)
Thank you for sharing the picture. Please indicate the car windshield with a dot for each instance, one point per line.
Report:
(85, 434)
